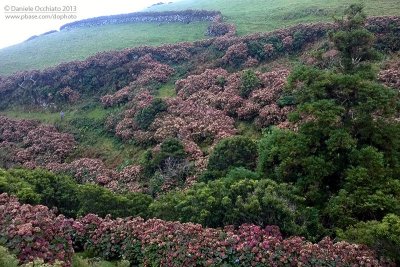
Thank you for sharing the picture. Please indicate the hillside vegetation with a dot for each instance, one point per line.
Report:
(78, 44)
(265, 15)
(277, 148)
(249, 16)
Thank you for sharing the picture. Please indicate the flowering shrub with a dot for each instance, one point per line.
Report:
(220, 28)
(86, 170)
(127, 128)
(161, 243)
(390, 76)
(221, 90)
(34, 144)
(191, 121)
(118, 69)
(119, 97)
(150, 70)
(236, 54)
(68, 95)
(34, 232)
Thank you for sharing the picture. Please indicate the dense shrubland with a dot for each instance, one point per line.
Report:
(108, 72)
(324, 160)
(36, 232)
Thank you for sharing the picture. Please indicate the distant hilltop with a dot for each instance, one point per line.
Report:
(185, 16)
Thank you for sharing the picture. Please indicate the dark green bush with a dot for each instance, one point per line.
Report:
(101, 201)
(169, 165)
(383, 236)
(145, 117)
(42, 187)
(170, 148)
(69, 197)
(249, 82)
(236, 201)
(256, 50)
(237, 151)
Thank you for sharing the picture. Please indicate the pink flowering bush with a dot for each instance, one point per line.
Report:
(34, 232)
(390, 76)
(220, 28)
(147, 70)
(221, 90)
(127, 128)
(34, 144)
(160, 243)
(236, 54)
(119, 97)
(189, 120)
(69, 95)
(87, 170)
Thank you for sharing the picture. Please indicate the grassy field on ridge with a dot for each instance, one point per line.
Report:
(78, 44)
(249, 15)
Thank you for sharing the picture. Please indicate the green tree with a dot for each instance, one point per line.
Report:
(230, 201)
(237, 151)
(383, 236)
(101, 201)
(352, 40)
(368, 192)
(345, 149)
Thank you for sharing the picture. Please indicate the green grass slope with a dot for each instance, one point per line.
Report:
(78, 44)
(249, 15)
(265, 15)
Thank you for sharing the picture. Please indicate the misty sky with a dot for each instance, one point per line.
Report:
(13, 31)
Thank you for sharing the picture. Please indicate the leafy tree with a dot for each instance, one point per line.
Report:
(345, 149)
(383, 236)
(352, 40)
(42, 187)
(230, 201)
(367, 193)
(101, 201)
(237, 151)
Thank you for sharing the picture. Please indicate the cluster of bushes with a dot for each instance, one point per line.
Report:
(32, 144)
(241, 197)
(145, 117)
(10, 260)
(35, 232)
(342, 149)
(68, 197)
(111, 71)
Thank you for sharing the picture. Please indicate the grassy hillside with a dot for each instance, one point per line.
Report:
(249, 16)
(77, 44)
(265, 15)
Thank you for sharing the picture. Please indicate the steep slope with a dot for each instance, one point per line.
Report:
(265, 15)
(248, 15)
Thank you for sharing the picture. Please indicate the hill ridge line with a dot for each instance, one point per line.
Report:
(185, 16)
